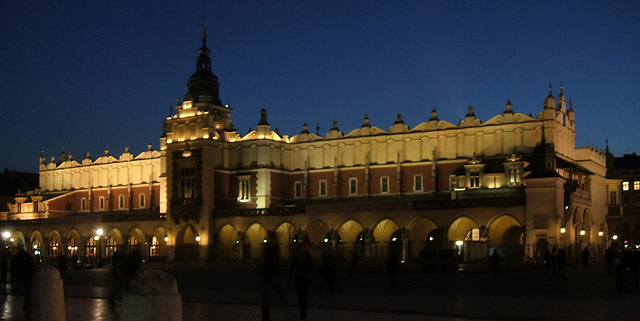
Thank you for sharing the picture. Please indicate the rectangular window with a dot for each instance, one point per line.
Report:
(625, 186)
(142, 201)
(297, 189)
(474, 179)
(636, 185)
(353, 186)
(322, 188)
(121, 201)
(514, 176)
(83, 204)
(244, 189)
(613, 198)
(384, 184)
(417, 183)
(101, 203)
(187, 182)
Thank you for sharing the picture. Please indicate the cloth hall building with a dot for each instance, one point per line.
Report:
(515, 183)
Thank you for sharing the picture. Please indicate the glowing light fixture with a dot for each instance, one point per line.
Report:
(583, 232)
(198, 238)
(562, 230)
(6, 234)
(600, 233)
(166, 238)
(615, 237)
(459, 243)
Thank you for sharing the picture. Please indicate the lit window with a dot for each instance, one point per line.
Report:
(142, 201)
(187, 183)
(297, 189)
(514, 176)
(244, 189)
(474, 179)
(133, 243)
(92, 247)
(101, 202)
(154, 249)
(473, 235)
(353, 186)
(384, 184)
(636, 185)
(121, 201)
(625, 186)
(111, 246)
(417, 183)
(322, 191)
(53, 249)
(72, 248)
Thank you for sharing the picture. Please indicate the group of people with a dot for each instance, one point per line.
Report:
(556, 261)
(20, 267)
(301, 270)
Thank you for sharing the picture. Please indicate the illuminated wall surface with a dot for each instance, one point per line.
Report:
(510, 183)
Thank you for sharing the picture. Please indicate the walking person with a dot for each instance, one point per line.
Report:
(561, 261)
(554, 262)
(610, 258)
(301, 270)
(495, 264)
(584, 256)
(117, 278)
(4, 268)
(392, 269)
(269, 275)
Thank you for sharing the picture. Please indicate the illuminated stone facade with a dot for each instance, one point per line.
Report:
(511, 183)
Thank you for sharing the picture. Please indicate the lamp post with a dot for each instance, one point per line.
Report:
(98, 238)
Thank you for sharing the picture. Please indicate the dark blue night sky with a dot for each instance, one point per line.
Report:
(89, 74)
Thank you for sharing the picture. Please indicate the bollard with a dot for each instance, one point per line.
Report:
(151, 295)
(45, 296)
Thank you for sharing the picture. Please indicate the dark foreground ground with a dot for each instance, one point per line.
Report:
(231, 291)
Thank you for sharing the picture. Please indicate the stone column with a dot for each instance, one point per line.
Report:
(152, 295)
(45, 296)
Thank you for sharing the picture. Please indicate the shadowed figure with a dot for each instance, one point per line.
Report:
(270, 273)
(301, 270)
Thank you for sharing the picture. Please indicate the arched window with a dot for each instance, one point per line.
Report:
(133, 243)
(72, 248)
(53, 248)
(92, 247)
(111, 246)
(154, 249)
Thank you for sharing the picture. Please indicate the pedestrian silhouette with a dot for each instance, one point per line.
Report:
(301, 270)
(353, 265)
(4, 268)
(495, 264)
(584, 256)
(327, 269)
(554, 262)
(392, 269)
(561, 261)
(269, 274)
(610, 258)
(117, 277)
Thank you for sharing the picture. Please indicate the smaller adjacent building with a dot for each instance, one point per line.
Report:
(626, 172)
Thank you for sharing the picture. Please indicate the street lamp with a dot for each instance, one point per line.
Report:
(98, 238)
(563, 229)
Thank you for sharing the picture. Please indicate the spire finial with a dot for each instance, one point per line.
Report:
(550, 89)
(204, 31)
(607, 144)
(561, 87)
